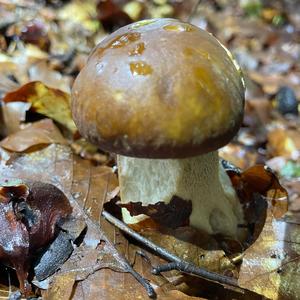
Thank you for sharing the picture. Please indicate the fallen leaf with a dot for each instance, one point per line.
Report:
(62, 287)
(177, 295)
(111, 15)
(86, 150)
(174, 214)
(270, 266)
(83, 14)
(41, 71)
(238, 155)
(40, 133)
(82, 181)
(28, 222)
(284, 142)
(270, 83)
(35, 33)
(50, 102)
(6, 84)
(260, 179)
(258, 110)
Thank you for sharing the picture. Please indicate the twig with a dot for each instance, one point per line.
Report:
(144, 282)
(193, 270)
(126, 267)
(176, 262)
(122, 226)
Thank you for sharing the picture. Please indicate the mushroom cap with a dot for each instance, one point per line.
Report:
(159, 88)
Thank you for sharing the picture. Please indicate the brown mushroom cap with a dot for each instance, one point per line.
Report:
(159, 89)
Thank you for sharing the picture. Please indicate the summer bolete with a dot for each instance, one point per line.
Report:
(165, 95)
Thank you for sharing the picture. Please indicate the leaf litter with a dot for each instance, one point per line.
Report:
(43, 56)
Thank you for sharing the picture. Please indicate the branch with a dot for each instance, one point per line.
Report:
(176, 262)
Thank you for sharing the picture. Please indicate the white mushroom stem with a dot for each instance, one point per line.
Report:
(201, 179)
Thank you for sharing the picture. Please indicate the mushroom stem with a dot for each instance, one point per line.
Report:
(200, 180)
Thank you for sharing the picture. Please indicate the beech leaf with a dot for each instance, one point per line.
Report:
(47, 101)
(43, 132)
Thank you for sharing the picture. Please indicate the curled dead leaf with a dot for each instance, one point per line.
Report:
(238, 155)
(40, 133)
(29, 214)
(174, 214)
(111, 15)
(260, 179)
(35, 33)
(50, 102)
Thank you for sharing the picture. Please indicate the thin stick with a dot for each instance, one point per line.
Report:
(184, 266)
(144, 282)
(193, 270)
(122, 226)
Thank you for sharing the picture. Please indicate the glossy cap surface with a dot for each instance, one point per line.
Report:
(159, 89)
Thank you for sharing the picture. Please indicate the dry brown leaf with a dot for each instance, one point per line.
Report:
(17, 63)
(271, 265)
(40, 133)
(259, 180)
(261, 109)
(41, 71)
(34, 32)
(50, 102)
(63, 287)
(238, 155)
(272, 82)
(93, 186)
(284, 142)
(177, 295)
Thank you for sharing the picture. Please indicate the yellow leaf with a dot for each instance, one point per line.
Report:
(44, 100)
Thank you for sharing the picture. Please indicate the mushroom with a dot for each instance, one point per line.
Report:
(165, 95)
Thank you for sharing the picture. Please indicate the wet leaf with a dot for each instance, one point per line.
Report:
(86, 150)
(261, 179)
(173, 215)
(238, 155)
(111, 15)
(91, 186)
(268, 51)
(40, 133)
(29, 214)
(50, 102)
(35, 33)
(271, 265)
